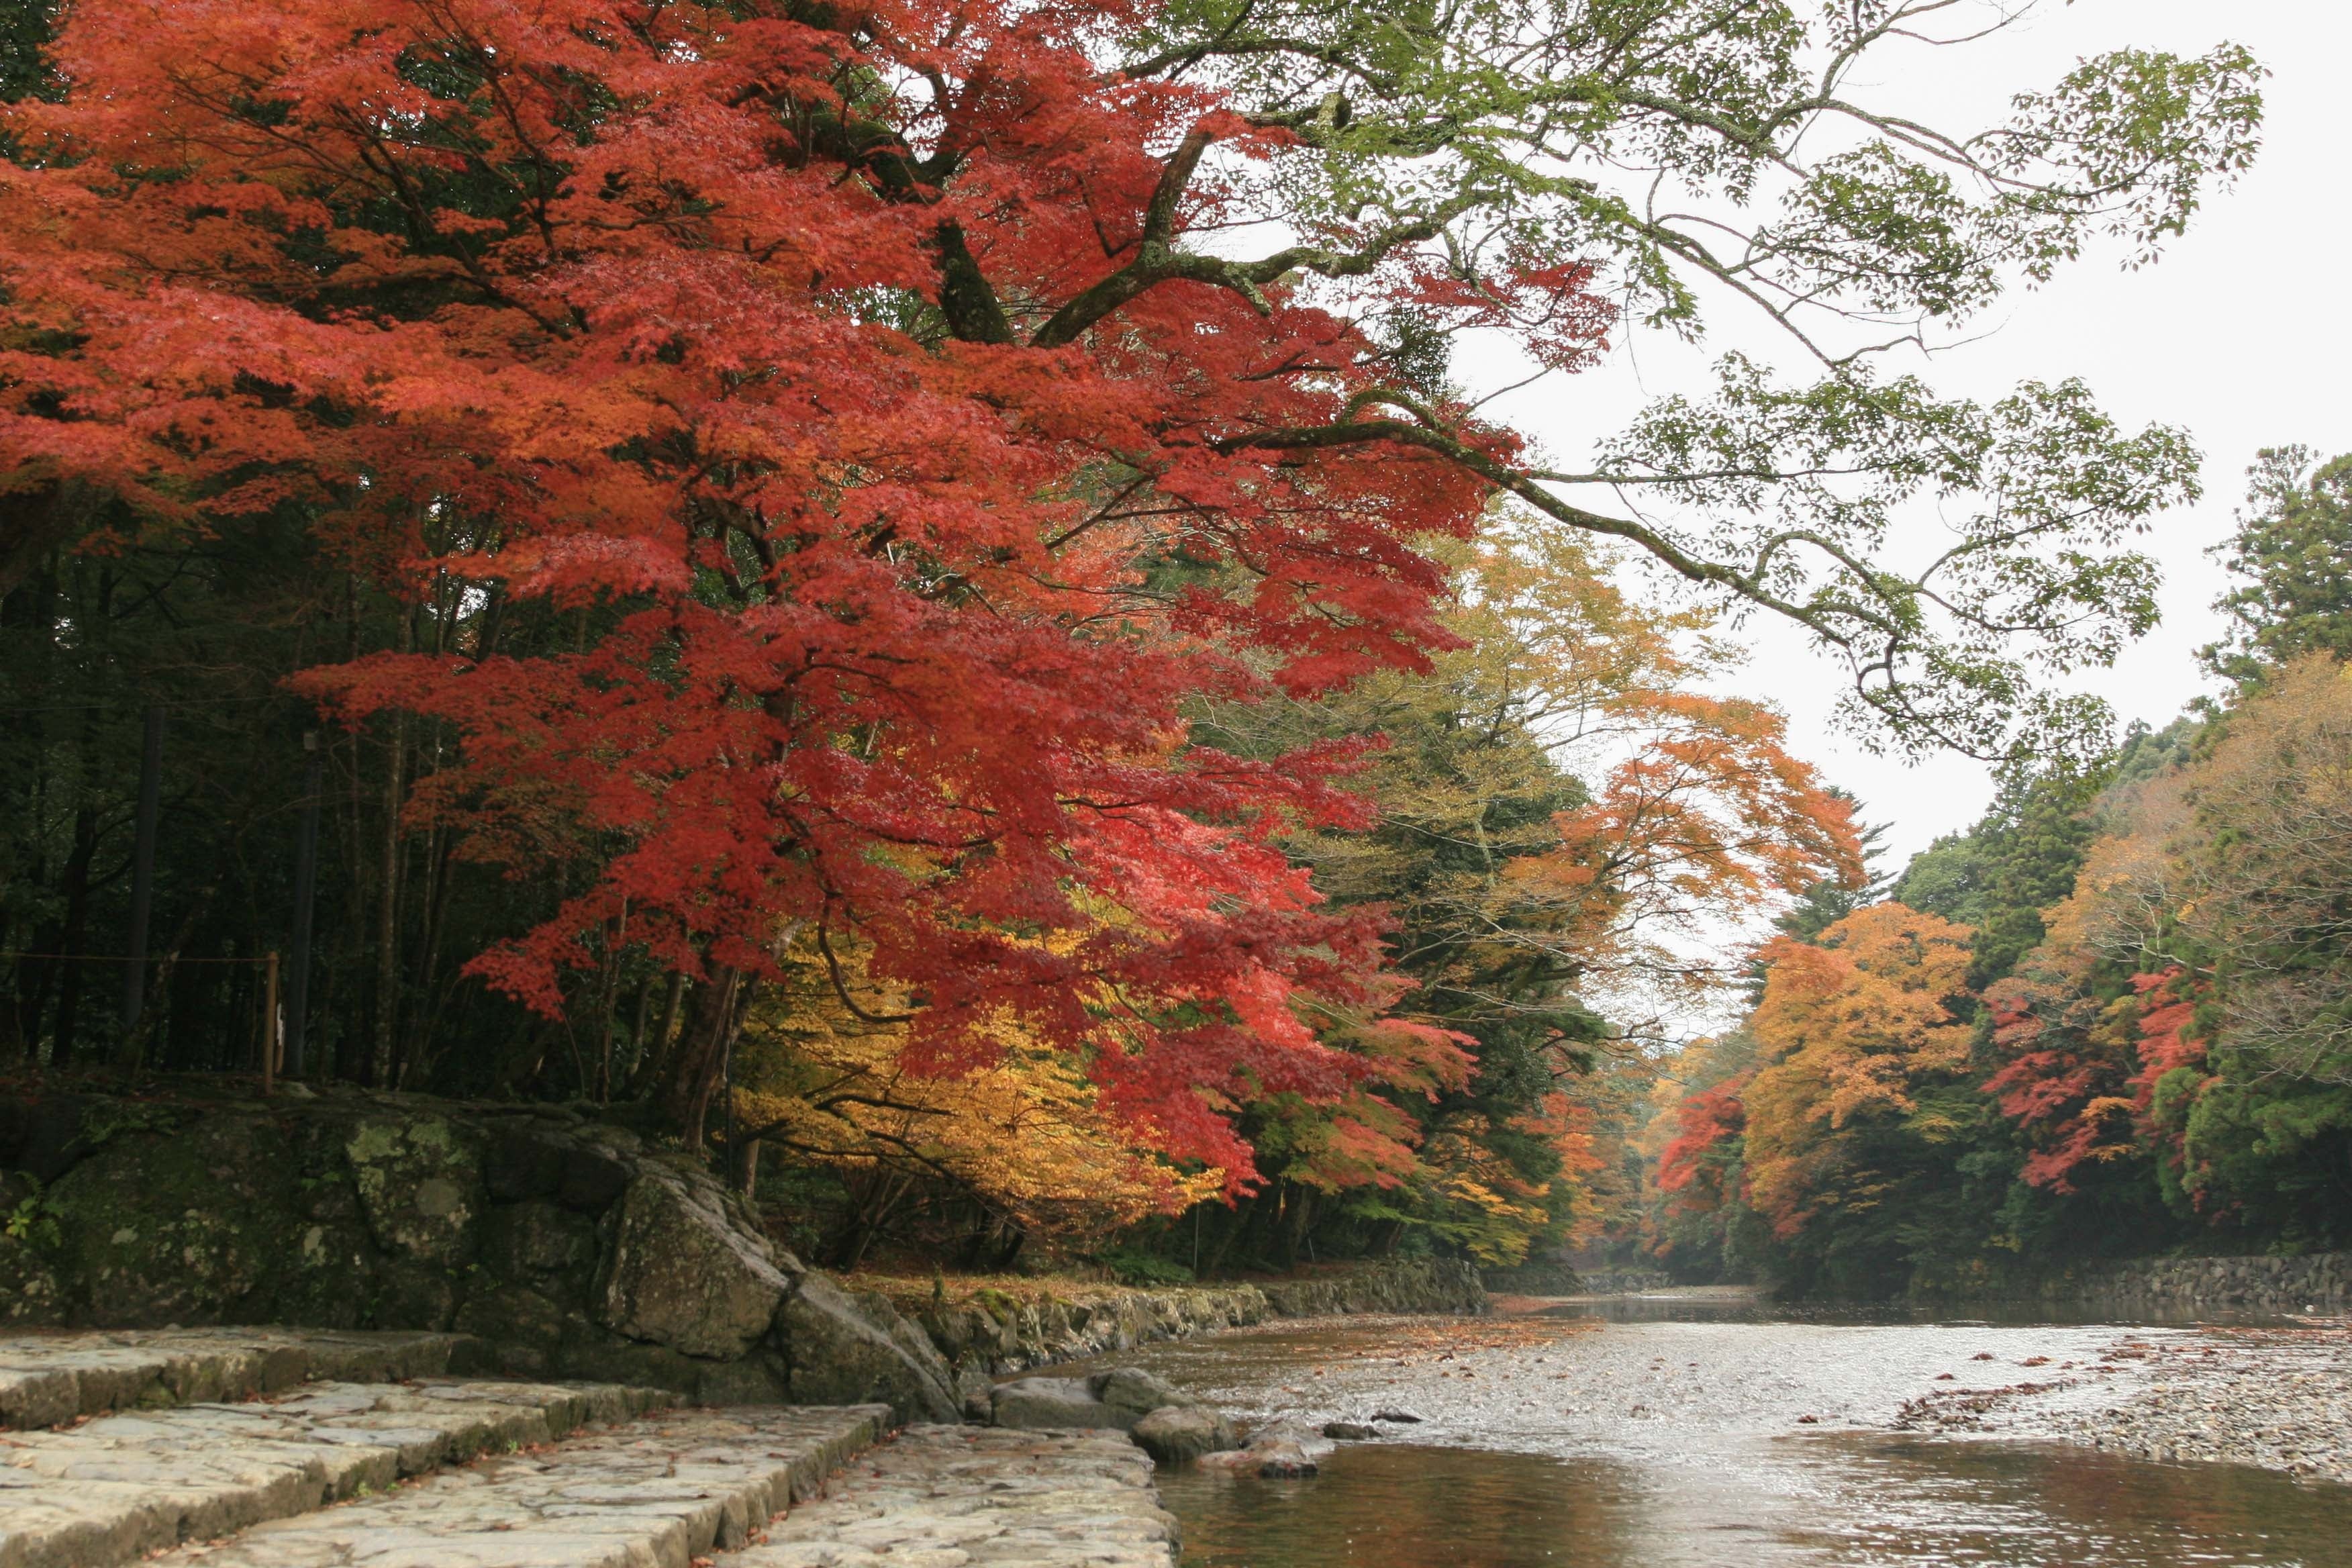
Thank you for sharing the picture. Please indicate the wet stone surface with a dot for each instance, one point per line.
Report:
(970, 1497)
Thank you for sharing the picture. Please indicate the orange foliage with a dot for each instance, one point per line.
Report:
(1849, 1029)
(1698, 813)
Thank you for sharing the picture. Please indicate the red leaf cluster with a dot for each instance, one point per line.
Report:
(1694, 1162)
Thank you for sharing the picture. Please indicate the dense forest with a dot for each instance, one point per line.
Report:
(2113, 1018)
(912, 598)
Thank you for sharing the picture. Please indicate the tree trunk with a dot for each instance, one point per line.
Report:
(387, 926)
(717, 1011)
(651, 1072)
(75, 934)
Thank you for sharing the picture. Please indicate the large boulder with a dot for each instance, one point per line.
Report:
(1176, 1434)
(681, 1274)
(1133, 1389)
(1045, 1403)
(1120, 1399)
(420, 1185)
(228, 1219)
(845, 1350)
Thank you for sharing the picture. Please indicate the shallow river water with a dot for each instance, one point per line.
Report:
(1688, 1433)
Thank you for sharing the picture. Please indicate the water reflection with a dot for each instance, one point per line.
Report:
(1828, 1502)
(1381, 1505)
(1696, 1434)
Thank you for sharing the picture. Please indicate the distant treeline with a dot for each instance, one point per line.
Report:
(2115, 1018)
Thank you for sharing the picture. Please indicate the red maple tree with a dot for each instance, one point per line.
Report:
(844, 368)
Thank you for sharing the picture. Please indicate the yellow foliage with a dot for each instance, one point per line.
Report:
(1023, 1131)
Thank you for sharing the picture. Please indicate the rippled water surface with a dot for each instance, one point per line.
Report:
(1657, 1441)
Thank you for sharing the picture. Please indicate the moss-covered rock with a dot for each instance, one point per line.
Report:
(420, 1185)
(200, 1226)
(679, 1273)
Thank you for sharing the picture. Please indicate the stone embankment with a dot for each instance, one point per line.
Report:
(1559, 1279)
(664, 1491)
(569, 1248)
(2191, 1287)
(994, 1332)
(47, 1379)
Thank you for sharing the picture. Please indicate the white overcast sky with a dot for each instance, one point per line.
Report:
(2242, 334)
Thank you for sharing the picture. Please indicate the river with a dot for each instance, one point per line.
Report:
(1704, 1433)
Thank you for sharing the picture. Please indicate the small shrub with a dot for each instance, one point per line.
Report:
(1143, 1269)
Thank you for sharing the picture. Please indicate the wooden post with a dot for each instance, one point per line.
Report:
(270, 1038)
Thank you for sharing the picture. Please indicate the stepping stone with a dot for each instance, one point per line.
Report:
(47, 1378)
(116, 1488)
(980, 1497)
(654, 1493)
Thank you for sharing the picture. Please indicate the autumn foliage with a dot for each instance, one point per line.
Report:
(1850, 1029)
(629, 309)
(2162, 1062)
(939, 540)
(1691, 1167)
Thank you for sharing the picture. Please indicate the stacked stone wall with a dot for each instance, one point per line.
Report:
(2185, 1286)
(564, 1247)
(990, 1334)
(560, 1245)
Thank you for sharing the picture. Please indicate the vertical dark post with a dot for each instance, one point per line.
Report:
(142, 871)
(269, 1022)
(305, 891)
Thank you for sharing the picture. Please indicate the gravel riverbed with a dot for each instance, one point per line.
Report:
(1693, 1433)
(2279, 1399)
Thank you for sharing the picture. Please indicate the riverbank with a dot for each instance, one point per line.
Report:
(992, 1327)
(1577, 1439)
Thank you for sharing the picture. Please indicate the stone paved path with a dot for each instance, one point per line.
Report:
(106, 1491)
(654, 1493)
(45, 1378)
(290, 1448)
(980, 1497)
